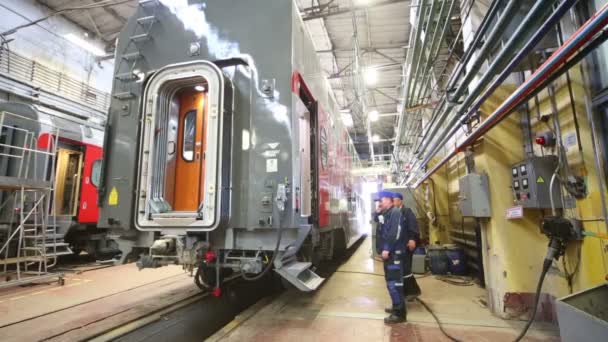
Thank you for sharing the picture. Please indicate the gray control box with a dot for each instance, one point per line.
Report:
(530, 183)
(474, 198)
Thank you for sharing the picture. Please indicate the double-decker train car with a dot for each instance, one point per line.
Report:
(225, 150)
(77, 164)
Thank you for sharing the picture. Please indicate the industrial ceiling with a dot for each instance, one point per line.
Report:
(352, 37)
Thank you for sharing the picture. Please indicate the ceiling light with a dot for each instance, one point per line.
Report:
(370, 75)
(374, 115)
(347, 119)
(199, 87)
(85, 44)
(375, 138)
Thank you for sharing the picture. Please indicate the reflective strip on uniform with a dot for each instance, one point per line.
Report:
(398, 284)
(409, 275)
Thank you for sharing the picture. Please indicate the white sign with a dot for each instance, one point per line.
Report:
(272, 165)
(516, 212)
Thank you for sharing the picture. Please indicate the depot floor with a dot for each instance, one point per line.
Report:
(350, 307)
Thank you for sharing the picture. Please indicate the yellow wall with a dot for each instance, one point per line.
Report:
(514, 249)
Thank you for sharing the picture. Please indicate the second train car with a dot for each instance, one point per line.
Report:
(225, 149)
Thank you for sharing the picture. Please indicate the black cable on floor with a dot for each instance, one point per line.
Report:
(419, 300)
(539, 286)
(438, 321)
(456, 280)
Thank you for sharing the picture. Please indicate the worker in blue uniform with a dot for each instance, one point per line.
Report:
(390, 244)
(412, 236)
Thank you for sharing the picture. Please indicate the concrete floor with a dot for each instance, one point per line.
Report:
(89, 302)
(349, 307)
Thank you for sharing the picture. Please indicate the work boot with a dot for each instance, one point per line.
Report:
(396, 316)
(388, 309)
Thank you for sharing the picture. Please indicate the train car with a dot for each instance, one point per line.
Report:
(225, 150)
(77, 165)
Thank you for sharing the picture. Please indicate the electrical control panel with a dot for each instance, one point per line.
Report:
(531, 179)
(474, 197)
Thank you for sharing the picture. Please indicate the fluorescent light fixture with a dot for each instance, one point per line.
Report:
(199, 87)
(375, 138)
(82, 43)
(370, 75)
(374, 115)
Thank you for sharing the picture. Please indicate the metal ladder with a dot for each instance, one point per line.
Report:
(140, 35)
(35, 237)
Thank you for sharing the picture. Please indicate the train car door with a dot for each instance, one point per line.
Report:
(307, 168)
(89, 211)
(67, 182)
(190, 164)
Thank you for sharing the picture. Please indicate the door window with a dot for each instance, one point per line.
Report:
(189, 136)
(96, 173)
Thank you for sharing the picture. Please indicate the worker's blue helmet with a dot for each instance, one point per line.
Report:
(386, 194)
(398, 195)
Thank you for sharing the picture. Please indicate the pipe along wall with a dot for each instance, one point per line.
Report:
(513, 249)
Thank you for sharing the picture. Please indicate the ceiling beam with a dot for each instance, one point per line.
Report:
(113, 13)
(368, 49)
(317, 12)
(82, 27)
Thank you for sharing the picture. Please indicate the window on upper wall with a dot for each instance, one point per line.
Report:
(189, 136)
(324, 151)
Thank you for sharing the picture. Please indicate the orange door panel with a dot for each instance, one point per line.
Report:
(190, 165)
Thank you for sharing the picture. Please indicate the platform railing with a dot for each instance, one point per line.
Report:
(36, 74)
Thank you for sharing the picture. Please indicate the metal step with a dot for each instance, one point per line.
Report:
(124, 96)
(47, 237)
(146, 20)
(301, 276)
(38, 247)
(140, 38)
(129, 57)
(48, 230)
(145, 3)
(126, 77)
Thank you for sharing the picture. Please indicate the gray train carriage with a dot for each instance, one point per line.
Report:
(74, 211)
(225, 148)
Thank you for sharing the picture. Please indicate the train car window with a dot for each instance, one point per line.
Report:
(189, 136)
(96, 173)
(324, 148)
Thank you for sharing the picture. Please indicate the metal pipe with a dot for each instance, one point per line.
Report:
(566, 66)
(481, 31)
(406, 82)
(494, 36)
(429, 61)
(425, 86)
(598, 164)
(544, 73)
(560, 11)
(418, 50)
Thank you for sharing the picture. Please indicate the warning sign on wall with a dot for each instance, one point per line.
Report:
(516, 212)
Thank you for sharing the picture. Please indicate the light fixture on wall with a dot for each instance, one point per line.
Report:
(375, 138)
(199, 87)
(84, 44)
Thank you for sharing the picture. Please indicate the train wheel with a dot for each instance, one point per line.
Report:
(205, 278)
